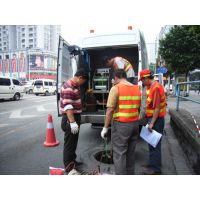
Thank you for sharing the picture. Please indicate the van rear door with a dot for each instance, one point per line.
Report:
(65, 69)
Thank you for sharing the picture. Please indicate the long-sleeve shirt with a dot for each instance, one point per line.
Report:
(70, 97)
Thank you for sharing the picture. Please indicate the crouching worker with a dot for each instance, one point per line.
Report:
(71, 107)
(123, 110)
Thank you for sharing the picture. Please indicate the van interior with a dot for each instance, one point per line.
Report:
(95, 93)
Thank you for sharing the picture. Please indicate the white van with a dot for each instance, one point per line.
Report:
(11, 88)
(44, 86)
(130, 45)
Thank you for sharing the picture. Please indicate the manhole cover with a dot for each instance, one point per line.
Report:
(104, 157)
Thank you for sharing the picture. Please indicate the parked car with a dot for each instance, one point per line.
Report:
(44, 86)
(11, 88)
(29, 87)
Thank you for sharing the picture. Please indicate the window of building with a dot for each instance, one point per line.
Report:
(4, 27)
(4, 32)
(23, 29)
(23, 46)
(4, 43)
(31, 46)
(30, 40)
(4, 48)
(30, 29)
(23, 40)
(23, 34)
(0, 49)
(0, 44)
(31, 35)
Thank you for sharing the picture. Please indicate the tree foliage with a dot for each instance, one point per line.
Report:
(181, 49)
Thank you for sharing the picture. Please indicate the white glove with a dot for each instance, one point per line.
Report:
(74, 127)
(104, 132)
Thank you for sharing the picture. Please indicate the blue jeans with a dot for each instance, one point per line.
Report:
(155, 153)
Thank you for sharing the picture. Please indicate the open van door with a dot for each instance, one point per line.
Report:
(65, 66)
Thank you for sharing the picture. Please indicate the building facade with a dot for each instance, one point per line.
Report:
(29, 51)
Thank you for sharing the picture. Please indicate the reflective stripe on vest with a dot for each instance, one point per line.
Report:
(127, 67)
(129, 98)
(129, 101)
(149, 109)
(126, 114)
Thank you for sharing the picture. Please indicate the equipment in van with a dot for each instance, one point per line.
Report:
(101, 80)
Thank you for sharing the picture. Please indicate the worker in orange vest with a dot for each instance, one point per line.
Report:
(123, 110)
(120, 63)
(155, 113)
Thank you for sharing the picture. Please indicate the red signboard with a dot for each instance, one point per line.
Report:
(6, 65)
(14, 65)
(38, 76)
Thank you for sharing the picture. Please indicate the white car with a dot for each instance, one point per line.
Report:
(11, 88)
(44, 86)
(29, 87)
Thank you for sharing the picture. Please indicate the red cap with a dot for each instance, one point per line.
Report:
(144, 73)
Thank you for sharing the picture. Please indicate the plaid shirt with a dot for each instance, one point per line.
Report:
(70, 97)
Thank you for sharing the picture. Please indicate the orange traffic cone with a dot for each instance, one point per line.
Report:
(50, 135)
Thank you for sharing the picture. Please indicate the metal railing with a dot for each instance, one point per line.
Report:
(182, 97)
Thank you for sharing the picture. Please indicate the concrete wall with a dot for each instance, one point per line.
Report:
(188, 136)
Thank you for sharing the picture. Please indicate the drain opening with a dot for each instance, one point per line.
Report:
(104, 157)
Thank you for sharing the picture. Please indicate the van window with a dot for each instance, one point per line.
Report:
(4, 81)
(50, 84)
(40, 83)
(46, 83)
(16, 82)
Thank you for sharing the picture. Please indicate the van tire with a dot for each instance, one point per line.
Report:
(30, 91)
(36, 94)
(16, 97)
(46, 93)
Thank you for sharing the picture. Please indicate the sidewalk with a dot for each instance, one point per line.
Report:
(190, 106)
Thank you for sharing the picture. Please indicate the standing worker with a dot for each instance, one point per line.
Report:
(155, 113)
(120, 63)
(70, 106)
(123, 108)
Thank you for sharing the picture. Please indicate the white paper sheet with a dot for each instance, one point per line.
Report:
(150, 137)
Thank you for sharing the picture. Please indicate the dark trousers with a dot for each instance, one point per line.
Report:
(155, 153)
(70, 139)
(124, 137)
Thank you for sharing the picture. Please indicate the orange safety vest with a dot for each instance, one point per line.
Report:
(129, 101)
(150, 92)
(127, 64)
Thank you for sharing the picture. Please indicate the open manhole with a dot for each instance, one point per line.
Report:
(104, 157)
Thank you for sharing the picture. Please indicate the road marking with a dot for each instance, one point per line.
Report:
(17, 114)
(41, 108)
(3, 125)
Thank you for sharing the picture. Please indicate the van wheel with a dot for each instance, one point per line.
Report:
(36, 94)
(46, 93)
(16, 97)
(30, 91)
(54, 92)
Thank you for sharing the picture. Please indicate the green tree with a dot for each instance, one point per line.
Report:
(181, 49)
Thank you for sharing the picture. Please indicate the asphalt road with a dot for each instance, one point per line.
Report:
(23, 131)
